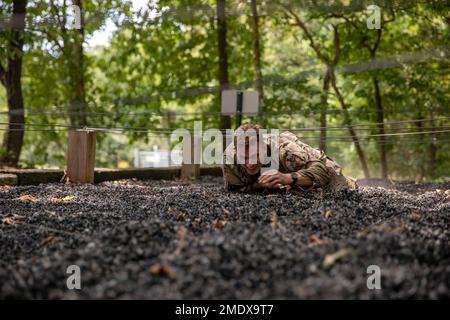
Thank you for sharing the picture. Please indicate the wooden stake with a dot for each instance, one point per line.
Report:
(81, 156)
(190, 168)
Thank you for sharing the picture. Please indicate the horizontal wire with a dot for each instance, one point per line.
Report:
(170, 130)
(167, 132)
(346, 139)
(328, 139)
(349, 138)
(39, 112)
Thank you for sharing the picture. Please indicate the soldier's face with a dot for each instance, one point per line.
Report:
(252, 164)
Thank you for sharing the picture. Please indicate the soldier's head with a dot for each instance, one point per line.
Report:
(246, 141)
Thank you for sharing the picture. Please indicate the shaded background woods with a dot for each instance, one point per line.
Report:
(377, 100)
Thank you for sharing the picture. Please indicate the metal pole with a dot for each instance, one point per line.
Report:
(240, 100)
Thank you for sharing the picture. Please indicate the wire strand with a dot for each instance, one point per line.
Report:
(345, 138)
(115, 114)
(170, 130)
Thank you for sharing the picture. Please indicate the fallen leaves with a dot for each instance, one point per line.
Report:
(66, 199)
(298, 221)
(314, 240)
(30, 198)
(226, 212)
(27, 198)
(329, 214)
(415, 216)
(444, 192)
(218, 224)
(385, 227)
(271, 195)
(331, 259)
(160, 270)
(274, 219)
(50, 240)
(5, 188)
(209, 196)
(12, 219)
(182, 233)
(180, 216)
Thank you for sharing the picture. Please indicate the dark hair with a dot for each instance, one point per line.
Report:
(248, 126)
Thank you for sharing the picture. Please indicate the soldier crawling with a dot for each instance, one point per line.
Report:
(299, 165)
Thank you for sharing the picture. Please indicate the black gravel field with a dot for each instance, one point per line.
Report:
(193, 240)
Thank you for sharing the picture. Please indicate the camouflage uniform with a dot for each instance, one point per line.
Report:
(295, 156)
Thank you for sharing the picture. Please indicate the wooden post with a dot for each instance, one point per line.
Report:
(81, 156)
(191, 150)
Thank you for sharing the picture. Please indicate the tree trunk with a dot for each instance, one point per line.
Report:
(354, 136)
(11, 79)
(257, 54)
(225, 121)
(331, 64)
(380, 125)
(323, 112)
(379, 108)
(76, 76)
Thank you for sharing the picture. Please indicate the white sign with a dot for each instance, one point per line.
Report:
(157, 158)
(250, 102)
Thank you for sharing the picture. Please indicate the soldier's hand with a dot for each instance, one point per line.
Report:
(273, 179)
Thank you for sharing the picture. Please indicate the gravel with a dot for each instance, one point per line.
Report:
(194, 240)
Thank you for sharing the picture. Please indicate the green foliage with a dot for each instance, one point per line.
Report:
(170, 46)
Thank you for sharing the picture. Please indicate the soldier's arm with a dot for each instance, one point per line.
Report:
(231, 179)
(311, 171)
(314, 174)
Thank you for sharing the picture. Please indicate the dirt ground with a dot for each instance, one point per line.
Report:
(194, 240)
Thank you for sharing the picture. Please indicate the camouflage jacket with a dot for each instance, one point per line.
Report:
(294, 156)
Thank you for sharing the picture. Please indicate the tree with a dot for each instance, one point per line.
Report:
(76, 71)
(10, 78)
(225, 121)
(330, 76)
(70, 42)
(372, 50)
(257, 53)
